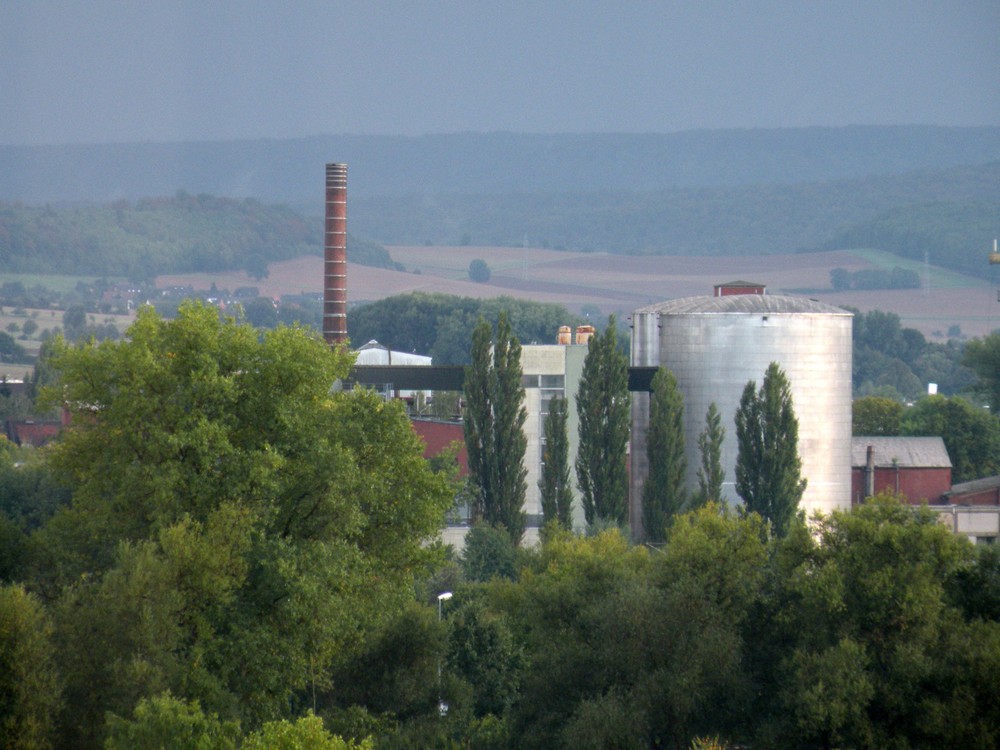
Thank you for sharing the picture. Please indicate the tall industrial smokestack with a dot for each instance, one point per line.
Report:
(335, 256)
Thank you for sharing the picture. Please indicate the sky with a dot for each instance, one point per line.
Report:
(104, 71)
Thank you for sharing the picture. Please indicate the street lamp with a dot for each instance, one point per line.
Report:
(442, 706)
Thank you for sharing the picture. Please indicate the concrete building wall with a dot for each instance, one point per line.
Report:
(550, 370)
(714, 345)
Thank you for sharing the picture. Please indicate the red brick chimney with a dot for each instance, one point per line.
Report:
(335, 256)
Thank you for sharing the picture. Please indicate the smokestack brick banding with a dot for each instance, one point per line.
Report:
(335, 256)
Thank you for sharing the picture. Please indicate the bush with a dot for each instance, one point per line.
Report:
(479, 271)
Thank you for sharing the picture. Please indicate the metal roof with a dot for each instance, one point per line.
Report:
(374, 353)
(907, 452)
(741, 304)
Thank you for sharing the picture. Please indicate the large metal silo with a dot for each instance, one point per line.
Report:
(714, 345)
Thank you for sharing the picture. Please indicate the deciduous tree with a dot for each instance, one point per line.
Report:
(983, 356)
(876, 415)
(233, 517)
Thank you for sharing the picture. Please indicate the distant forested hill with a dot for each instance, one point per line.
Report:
(910, 190)
(751, 220)
(291, 171)
(158, 235)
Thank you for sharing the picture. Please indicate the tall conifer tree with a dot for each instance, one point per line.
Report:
(664, 494)
(711, 474)
(557, 496)
(768, 467)
(602, 405)
(494, 426)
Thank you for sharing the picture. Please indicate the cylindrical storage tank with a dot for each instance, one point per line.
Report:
(714, 345)
(565, 336)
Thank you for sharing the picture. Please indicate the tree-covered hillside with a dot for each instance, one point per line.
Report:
(291, 171)
(952, 235)
(709, 221)
(182, 233)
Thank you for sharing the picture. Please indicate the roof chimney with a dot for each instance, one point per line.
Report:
(335, 256)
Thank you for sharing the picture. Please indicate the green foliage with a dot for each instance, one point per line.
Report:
(395, 672)
(479, 271)
(226, 537)
(155, 235)
(483, 653)
(954, 234)
(305, 733)
(29, 684)
(554, 484)
(870, 652)
(10, 350)
(489, 553)
(875, 415)
(164, 721)
(602, 405)
(494, 426)
(983, 357)
(768, 467)
(664, 495)
(634, 647)
(256, 267)
(441, 325)
(971, 435)
(890, 359)
(710, 473)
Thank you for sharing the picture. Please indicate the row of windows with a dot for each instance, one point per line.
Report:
(543, 381)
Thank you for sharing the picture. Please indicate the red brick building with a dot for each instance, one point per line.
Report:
(918, 468)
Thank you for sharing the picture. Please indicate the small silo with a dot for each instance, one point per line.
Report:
(714, 345)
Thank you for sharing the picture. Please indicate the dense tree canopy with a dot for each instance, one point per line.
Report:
(441, 324)
(983, 357)
(876, 415)
(971, 434)
(163, 235)
(225, 537)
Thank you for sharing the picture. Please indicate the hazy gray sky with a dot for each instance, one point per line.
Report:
(100, 71)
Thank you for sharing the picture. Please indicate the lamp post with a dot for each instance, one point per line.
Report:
(442, 706)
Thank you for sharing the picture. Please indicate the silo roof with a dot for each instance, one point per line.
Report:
(742, 303)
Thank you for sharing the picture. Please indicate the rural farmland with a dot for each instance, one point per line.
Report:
(616, 283)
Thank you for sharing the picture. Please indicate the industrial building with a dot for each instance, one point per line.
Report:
(549, 371)
(715, 344)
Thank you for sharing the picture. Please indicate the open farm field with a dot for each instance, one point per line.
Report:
(619, 284)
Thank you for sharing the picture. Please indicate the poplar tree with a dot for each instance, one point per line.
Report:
(602, 404)
(494, 426)
(663, 494)
(557, 497)
(768, 467)
(711, 474)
